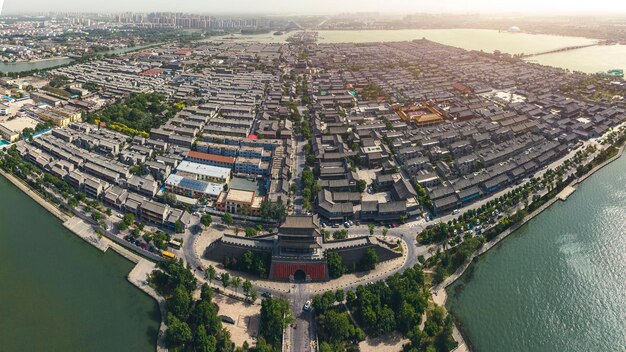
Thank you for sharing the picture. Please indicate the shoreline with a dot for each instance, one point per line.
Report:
(20, 62)
(136, 276)
(439, 293)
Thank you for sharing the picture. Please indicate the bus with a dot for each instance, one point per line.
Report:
(168, 255)
(176, 244)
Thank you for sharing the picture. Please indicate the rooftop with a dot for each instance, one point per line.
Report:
(204, 170)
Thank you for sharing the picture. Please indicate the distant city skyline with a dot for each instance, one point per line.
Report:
(318, 6)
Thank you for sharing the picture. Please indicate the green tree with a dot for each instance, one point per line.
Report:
(179, 226)
(250, 232)
(180, 303)
(227, 219)
(361, 184)
(206, 220)
(339, 295)
(275, 317)
(236, 283)
(371, 228)
(253, 296)
(204, 342)
(370, 259)
(247, 287)
(178, 332)
(336, 326)
(169, 198)
(336, 268)
(210, 273)
(225, 280)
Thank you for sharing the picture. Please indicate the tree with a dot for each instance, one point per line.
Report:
(206, 220)
(370, 259)
(169, 198)
(247, 261)
(209, 274)
(385, 231)
(179, 226)
(350, 297)
(180, 303)
(225, 279)
(371, 228)
(227, 219)
(336, 268)
(340, 234)
(275, 317)
(178, 332)
(247, 286)
(253, 296)
(204, 342)
(386, 320)
(406, 317)
(336, 326)
(236, 283)
(250, 232)
(361, 184)
(339, 295)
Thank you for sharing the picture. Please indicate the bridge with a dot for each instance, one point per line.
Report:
(567, 48)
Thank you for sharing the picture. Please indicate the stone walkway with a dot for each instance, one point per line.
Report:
(138, 277)
(86, 232)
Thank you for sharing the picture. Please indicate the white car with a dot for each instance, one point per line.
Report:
(307, 305)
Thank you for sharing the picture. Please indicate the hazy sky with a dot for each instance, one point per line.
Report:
(317, 6)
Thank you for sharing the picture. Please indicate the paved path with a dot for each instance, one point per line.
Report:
(85, 231)
(35, 195)
(138, 277)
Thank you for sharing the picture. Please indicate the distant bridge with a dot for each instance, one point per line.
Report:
(567, 48)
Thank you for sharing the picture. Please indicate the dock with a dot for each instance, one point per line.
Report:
(565, 193)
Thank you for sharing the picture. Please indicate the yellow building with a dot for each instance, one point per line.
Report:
(237, 201)
(9, 134)
(59, 120)
(73, 114)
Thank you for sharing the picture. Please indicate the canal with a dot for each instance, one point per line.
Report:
(558, 283)
(59, 293)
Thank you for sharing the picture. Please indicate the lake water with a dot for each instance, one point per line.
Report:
(558, 283)
(588, 60)
(59, 293)
(45, 64)
(37, 65)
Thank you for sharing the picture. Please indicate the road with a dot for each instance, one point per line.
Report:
(299, 335)
(299, 165)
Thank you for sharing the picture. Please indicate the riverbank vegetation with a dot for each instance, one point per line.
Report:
(191, 325)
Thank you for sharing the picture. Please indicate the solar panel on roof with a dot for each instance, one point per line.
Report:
(196, 185)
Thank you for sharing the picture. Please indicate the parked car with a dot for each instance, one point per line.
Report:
(227, 319)
(266, 294)
(307, 305)
(335, 226)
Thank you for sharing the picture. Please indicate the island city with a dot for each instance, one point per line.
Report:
(310, 182)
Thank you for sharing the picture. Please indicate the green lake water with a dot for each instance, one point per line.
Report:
(558, 283)
(59, 293)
